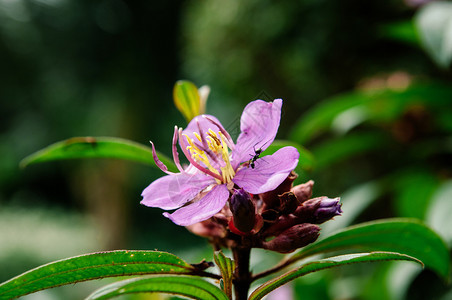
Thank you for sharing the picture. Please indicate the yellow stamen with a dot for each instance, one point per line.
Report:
(227, 171)
(199, 155)
(197, 136)
(217, 144)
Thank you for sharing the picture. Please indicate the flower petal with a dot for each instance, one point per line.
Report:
(258, 125)
(203, 209)
(173, 191)
(269, 172)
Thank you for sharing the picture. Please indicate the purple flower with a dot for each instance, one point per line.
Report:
(217, 164)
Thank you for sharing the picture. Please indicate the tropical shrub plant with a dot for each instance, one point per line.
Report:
(240, 196)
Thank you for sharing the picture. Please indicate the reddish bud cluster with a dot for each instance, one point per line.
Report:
(281, 220)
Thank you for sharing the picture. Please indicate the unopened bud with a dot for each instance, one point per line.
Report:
(271, 198)
(270, 215)
(293, 238)
(318, 210)
(328, 209)
(289, 203)
(243, 211)
(303, 191)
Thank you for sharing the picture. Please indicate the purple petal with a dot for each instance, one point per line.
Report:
(269, 172)
(258, 125)
(173, 191)
(203, 209)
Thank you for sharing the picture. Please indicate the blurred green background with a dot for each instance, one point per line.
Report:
(366, 88)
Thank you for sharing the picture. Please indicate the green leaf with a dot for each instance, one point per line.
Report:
(326, 264)
(404, 31)
(93, 266)
(227, 267)
(97, 147)
(192, 287)
(187, 99)
(405, 236)
(343, 112)
(321, 117)
(440, 211)
(434, 24)
(335, 150)
(413, 192)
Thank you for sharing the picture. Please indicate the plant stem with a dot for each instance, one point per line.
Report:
(242, 278)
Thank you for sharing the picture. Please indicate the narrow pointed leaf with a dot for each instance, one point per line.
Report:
(407, 236)
(227, 267)
(187, 99)
(93, 266)
(97, 147)
(323, 264)
(191, 287)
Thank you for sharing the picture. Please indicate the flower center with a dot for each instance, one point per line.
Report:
(213, 153)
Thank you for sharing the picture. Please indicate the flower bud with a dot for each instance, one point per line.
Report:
(243, 211)
(318, 210)
(190, 100)
(270, 215)
(271, 198)
(293, 238)
(303, 191)
(289, 203)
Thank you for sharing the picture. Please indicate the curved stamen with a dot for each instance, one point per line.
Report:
(227, 171)
(201, 136)
(158, 162)
(193, 162)
(229, 140)
(175, 153)
(199, 155)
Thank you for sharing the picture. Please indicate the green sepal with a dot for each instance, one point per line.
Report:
(187, 99)
(227, 267)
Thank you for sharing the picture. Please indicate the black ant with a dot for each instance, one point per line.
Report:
(257, 153)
